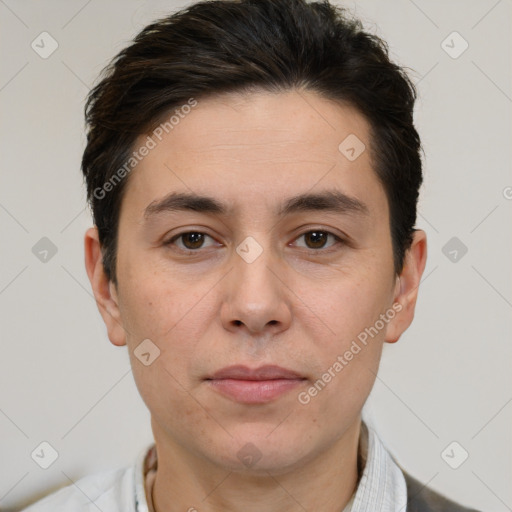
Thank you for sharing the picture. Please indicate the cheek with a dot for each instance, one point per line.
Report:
(351, 305)
(158, 307)
(347, 358)
(173, 315)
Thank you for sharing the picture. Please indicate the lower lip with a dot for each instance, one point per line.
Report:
(254, 391)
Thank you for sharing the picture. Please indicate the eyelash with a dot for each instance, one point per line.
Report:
(337, 239)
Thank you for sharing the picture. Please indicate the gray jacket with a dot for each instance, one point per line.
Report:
(422, 499)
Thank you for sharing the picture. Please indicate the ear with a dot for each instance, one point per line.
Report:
(104, 290)
(406, 290)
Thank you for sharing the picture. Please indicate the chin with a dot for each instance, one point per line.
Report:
(263, 449)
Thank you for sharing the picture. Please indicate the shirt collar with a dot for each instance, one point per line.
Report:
(381, 486)
(145, 459)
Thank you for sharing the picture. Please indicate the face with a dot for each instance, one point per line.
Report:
(255, 277)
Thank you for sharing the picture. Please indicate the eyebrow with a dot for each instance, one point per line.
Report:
(327, 200)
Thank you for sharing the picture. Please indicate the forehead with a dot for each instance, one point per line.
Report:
(256, 148)
(263, 125)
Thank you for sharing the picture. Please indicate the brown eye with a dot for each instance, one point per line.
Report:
(317, 239)
(190, 241)
(193, 240)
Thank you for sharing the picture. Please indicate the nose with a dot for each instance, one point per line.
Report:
(257, 298)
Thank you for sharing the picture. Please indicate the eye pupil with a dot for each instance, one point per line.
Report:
(318, 237)
(195, 238)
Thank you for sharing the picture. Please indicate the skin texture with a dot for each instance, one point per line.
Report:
(299, 305)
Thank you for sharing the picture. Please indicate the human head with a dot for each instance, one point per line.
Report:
(215, 47)
(253, 148)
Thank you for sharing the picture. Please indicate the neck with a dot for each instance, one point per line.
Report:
(185, 482)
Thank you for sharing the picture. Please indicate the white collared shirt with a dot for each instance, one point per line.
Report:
(382, 486)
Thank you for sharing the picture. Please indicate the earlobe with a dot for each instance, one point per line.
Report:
(103, 289)
(406, 290)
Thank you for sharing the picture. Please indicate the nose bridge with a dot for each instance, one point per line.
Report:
(253, 262)
(257, 298)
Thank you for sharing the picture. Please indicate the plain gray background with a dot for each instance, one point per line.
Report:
(448, 378)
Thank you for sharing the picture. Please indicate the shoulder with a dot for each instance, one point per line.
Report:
(422, 499)
(108, 491)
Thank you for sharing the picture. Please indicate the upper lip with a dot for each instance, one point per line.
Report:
(267, 372)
